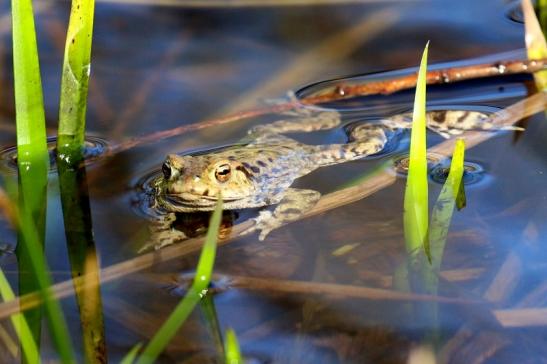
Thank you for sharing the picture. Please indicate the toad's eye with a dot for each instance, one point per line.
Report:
(166, 169)
(222, 172)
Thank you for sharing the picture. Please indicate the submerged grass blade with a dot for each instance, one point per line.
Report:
(231, 348)
(536, 45)
(75, 78)
(83, 257)
(54, 313)
(444, 207)
(22, 329)
(416, 204)
(195, 293)
(21, 219)
(208, 309)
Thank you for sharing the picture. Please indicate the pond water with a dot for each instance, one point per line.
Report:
(159, 67)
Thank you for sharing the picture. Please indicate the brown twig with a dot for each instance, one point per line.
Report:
(338, 290)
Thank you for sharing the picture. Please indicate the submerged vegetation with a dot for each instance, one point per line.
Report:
(425, 239)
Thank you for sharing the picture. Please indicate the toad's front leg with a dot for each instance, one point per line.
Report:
(293, 204)
(162, 233)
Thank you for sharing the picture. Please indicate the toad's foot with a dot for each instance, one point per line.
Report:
(449, 123)
(294, 203)
(162, 233)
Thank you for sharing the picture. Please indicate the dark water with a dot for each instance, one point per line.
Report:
(156, 68)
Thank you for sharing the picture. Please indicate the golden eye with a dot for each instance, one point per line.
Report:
(223, 172)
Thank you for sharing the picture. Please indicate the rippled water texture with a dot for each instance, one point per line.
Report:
(299, 296)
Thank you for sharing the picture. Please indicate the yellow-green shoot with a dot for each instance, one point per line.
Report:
(444, 207)
(75, 79)
(197, 290)
(231, 348)
(536, 46)
(416, 194)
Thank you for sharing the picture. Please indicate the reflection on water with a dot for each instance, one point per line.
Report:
(188, 65)
(94, 148)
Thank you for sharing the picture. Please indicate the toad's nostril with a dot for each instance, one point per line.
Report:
(166, 169)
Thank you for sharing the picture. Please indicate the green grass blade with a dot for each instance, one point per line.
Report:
(29, 104)
(54, 314)
(130, 357)
(33, 200)
(542, 13)
(444, 207)
(206, 261)
(536, 46)
(32, 154)
(195, 293)
(75, 78)
(22, 329)
(415, 204)
(208, 309)
(231, 348)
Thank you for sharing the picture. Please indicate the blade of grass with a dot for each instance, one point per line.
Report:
(536, 46)
(415, 203)
(444, 207)
(54, 314)
(23, 222)
(130, 357)
(195, 293)
(438, 229)
(83, 257)
(32, 154)
(542, 12)
(72, 179)
(231, 348)
(208, 309)
(29, 104)
(9, 343)
(22, 329)
(75, 78)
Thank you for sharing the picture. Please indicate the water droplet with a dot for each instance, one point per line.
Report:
(445, 78)
(339, 90)
(501, 69)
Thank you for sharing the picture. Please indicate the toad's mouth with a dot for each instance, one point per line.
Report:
(192, 197)
(187, 201)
